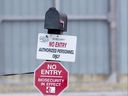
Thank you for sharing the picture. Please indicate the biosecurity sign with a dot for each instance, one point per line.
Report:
(51, 78)
(56, 47)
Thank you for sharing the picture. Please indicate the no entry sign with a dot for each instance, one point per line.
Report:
(51, 78)
(56, 47)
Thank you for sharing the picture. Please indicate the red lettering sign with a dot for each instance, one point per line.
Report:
(57, 44)
(51, 78)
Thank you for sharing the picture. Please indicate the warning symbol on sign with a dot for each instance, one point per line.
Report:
(50, 89)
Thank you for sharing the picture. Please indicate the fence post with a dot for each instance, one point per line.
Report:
(113, 41)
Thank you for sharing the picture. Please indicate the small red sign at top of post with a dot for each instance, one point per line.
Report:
(51, 78)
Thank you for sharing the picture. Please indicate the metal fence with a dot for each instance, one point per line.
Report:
(102, 45)
(100, 26)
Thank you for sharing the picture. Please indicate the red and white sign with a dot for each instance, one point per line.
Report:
(56, 47)
(51, 78)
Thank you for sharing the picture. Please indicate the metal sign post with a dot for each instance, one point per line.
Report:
(51, 78)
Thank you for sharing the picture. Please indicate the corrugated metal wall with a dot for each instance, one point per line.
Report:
(92, 48)
(19, 37)
(85, 7)
(123, 35)
(1, 42)
(25, 7)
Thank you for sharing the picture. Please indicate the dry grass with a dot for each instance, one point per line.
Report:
(77, 83)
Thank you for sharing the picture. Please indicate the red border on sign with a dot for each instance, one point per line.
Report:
(67, 79)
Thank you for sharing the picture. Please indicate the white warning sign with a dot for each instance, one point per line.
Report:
(56, 47)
